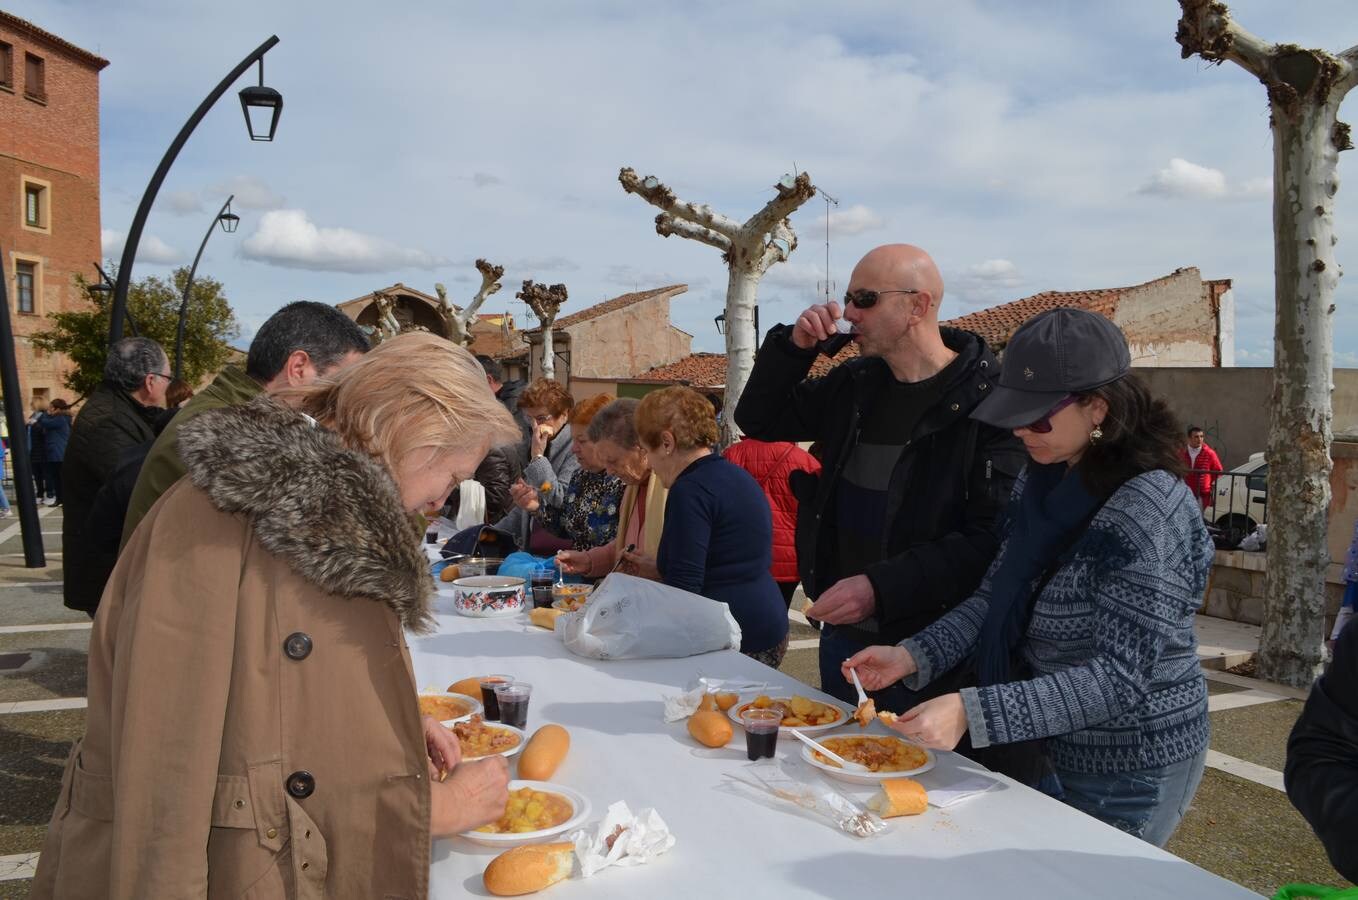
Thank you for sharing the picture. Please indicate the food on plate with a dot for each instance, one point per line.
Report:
(726, 701)
(866, 712)
(530, 810)
(570, 597)
(469, 686)
(545, 616)
(899, 797)
(450, 573)
(479, 739)
(798, 712)
(544, 752)
(525, 870)
(879, 754)
(710, 728)
(887, 716)
(443, 708)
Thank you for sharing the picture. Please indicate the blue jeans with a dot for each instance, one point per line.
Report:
(837, 646)
(1147, 803)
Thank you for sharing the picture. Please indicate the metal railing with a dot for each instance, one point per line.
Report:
(1238, 504)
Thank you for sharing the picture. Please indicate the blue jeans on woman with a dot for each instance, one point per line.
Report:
(1147, 803)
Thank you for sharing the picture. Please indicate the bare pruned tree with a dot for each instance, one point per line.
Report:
(457, 324)
(545, 302)
(1305, 88)
(748, 249)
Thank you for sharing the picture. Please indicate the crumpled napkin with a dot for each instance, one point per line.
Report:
(680, 706)
(642, 838)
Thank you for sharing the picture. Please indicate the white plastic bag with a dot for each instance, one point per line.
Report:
(634, 618)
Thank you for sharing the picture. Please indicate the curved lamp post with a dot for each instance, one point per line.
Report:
(229, 222)
(105, 287)
(257, 101)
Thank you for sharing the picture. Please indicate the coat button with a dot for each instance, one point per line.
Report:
(271, 833)
(297, 645)
(956, 407)
(301, 784)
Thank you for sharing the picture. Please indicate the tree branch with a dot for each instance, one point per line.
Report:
(1207, 29)
(544, 301)
(490, 283)
(792, 193)
(1348, 78)
(666, 225)
(658, 194)
(779, 246)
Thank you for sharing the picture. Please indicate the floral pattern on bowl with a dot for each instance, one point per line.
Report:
(488, 596)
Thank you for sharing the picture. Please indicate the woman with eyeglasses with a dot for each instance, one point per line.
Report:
(552, 464)
(1081, 632)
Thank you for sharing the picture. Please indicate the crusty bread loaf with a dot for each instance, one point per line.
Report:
(545, 617)
(545, 751)
(470, 687)
(899, 797)
(525, 870)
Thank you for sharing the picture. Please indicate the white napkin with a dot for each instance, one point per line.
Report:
(680, 706)
(643, 837)
(961, 789)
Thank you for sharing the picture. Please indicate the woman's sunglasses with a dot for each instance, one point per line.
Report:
(1044, 424)
(866, 299)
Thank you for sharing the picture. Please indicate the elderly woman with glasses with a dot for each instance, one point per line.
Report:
(1082, 629)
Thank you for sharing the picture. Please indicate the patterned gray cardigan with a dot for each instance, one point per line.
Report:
(1116, 683)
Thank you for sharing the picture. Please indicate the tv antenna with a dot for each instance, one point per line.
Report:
(827, 285)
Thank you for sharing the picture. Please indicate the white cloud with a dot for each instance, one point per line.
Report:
(151, 249)
(288, 238)
(249, 192)
(183, 203)
(985, 283)
(485, 179)
(1185, 179)
(1257, 187)
(855, 219)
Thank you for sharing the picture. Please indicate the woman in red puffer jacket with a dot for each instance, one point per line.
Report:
(771, 464)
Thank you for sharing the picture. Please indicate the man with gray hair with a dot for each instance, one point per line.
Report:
(119, 415)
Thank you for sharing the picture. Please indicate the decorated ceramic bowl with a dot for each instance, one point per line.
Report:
(488, 596)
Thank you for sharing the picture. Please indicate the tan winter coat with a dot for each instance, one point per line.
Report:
(253, 730)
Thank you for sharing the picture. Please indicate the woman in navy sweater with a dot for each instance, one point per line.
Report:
(718, 534)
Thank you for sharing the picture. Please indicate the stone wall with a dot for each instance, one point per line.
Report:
(1236, 589)
(1171, 321)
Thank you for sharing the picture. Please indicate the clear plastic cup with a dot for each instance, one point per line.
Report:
(761, 732)
(513, 700)
(489, 704)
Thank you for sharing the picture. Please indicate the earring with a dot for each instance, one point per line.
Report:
(1096, 435)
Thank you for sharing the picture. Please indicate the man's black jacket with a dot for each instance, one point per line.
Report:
(1321, 774)
(946, 493)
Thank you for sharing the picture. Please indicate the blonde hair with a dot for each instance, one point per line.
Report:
(415, 391)
(683, 412)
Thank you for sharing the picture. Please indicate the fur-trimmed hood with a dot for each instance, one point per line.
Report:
(332, 514)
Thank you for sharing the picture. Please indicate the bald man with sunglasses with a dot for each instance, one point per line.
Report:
(902, 523)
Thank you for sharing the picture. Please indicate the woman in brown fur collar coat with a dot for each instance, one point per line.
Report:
(253, 728)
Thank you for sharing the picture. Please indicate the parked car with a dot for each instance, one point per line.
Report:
(1239, 500)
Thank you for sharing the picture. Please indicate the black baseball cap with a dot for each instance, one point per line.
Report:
(1053, 355)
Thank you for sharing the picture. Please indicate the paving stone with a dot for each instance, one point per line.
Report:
(1256, 733)
(33, 749)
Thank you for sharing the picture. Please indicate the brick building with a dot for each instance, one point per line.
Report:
(49, 186)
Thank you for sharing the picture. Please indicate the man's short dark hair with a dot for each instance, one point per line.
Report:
(1193, 429)
(493, 368)
(326, 334)
(130, 360)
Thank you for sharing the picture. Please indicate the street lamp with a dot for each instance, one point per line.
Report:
(268, 106)
(258, 98)
(720, 321)
(25, 495)
(104, 287)
(229, 222)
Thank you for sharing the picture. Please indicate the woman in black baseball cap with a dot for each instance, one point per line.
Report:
(1081, 632)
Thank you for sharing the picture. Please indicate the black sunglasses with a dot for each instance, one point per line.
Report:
(866, 299)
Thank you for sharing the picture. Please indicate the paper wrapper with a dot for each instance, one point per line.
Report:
(962, 789)
(680, 706)
(643, 837)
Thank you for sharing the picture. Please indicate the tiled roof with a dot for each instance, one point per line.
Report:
(396, 289)
(28, 27)
(704, 370)
(608, 306)
(998, 323)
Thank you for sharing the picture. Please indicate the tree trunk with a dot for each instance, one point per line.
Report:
(548, 352)
(742, 293)
(1305, 181)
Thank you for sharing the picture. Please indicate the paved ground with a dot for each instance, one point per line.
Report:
(1241, 825)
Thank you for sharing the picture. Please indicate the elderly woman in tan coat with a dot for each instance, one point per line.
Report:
(253, 729)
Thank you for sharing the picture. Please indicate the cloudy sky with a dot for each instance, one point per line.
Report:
(1029, 146)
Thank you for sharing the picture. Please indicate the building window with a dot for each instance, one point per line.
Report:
(25, 285)
(6, 66)
(36, 196)
(33, 206)
(34, 77)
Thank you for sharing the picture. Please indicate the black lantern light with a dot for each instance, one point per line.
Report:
(103, 285)
(267, 106)
(720, 321)
(228, 220)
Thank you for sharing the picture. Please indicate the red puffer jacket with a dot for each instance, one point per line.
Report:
(771, 464)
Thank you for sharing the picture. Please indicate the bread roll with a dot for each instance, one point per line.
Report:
(710, 728)
(726, 701)
(469, 687)
(450, 573)
(545, 617)
(899, 797)
(525, 870)
(545, 751)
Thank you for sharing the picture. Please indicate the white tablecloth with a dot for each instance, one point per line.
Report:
(1010, 842)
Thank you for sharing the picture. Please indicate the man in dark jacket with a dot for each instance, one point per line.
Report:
(508, 393)
(1321, 774)
(119, 416)
(902, 523)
